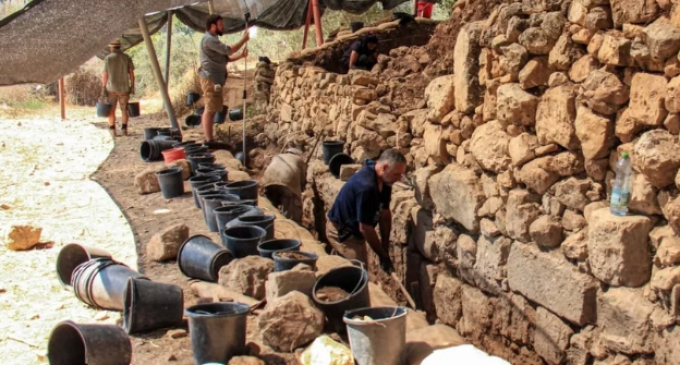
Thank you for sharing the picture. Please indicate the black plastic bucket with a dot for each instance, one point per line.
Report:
(235, 115)
(101, 283)
(133, 109)
(192, 98)
(356, 26)
(200, 158)
(246, 190)
(203, 191)
(184, 144)
(330, 149)
(195, 150)
(227, 213)
(171, 182)
(284, 263)
(201, 258)
(150, 133)
(150, 150)
(265, 222)
(192, 120)
(222, 174)
(88, 344)
(353, 280)
(72, 255)
(210, 203)
(221, 115)
(267, 248)
(337, 161)
(103, 109)
(218, 331)
(212, 165)
(150, 305)
(200, 181)
(242, 241)
(380, 340)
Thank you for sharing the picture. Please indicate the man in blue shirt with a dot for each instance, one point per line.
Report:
(363, 203)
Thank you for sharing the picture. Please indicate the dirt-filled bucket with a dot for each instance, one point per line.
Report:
(101, 283)
(242, 241)
(218, 331)
(201, 258)
(88, 344)
(246, 190)
(212, 202)
(267, 248)
(284, 261)
(150, 305)
(377, 335)
(72, 255)
(350, 288)
(265, 222)
(197, 182)
(330, 149)
(171, 182)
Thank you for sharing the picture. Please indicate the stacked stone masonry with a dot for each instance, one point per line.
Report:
(503, 230)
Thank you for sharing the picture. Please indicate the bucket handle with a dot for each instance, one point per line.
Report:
(363, 274)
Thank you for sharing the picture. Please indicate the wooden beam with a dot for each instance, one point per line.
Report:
(308, 21)
(157, 73)
(168, 44)
(62, 103)
(415, 8)
(211, 7)
(317, 23)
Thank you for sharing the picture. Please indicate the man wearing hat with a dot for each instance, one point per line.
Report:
(362, 54)
(118, 82)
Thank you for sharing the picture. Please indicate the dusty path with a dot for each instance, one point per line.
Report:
(45, 181)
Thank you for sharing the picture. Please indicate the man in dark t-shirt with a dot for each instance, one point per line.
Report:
(363, 203)
(362, 54)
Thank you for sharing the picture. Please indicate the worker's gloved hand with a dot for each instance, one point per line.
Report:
(105, 93)
(386, 264)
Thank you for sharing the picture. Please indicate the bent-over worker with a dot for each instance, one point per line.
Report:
(362, 54)
(118, 82)
(212, 73)
(363, 203)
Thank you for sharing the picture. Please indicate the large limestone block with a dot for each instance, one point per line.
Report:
(535, 73)
(492, 255)
(555, 117)
(624, 316)
(615, 49)
(576, 193)
(522, 209)
(595, 132)
(457, 194)
(440, 97)
(489, 147)
(290, 322)
(536, 41)
(546, 231)
(147, 182)
(447, 296)
(662, 39)
(165, 245)
(466, 251)
(477, 313)
(643, 196)
(465, 69)
(582, 68)
(667, 346)
(281, 283)
(422, 190)
(247, 275)
(551, 281)
(552, 336)
(515, 106)
(618, 250)
(633, 11)
(435, 143)
(672, 100)
(656, 156)
(521, 148)
(647, 95)
(538, 175)
(668, 253)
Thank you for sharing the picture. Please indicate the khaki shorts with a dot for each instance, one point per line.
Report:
(211, 99)
(352, 248)
(120, 98)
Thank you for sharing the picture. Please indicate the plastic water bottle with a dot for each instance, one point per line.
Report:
(621, 189)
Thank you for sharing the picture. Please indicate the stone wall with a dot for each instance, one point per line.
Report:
(503, 229)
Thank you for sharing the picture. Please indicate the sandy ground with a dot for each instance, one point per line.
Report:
(46, 164)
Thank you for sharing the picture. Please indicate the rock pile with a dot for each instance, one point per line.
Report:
(512, 156)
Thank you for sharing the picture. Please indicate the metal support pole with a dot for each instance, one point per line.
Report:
(211, 7)
(308, 21)
(317, 23)
(62, 103)
(157, 73)
(245, 101)
(168, 44)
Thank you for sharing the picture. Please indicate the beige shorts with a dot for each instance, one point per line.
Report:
(211, 99)
(352, 248)
(120, 98)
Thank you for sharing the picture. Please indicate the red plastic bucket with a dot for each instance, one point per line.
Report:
(425, 9)
(173, 154)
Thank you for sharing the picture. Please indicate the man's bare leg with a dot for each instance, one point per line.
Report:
(207, 122)
(126, 118)
(112, 120)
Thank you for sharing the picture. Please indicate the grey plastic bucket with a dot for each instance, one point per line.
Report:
(101, 283)
(200, 181)
(246, 190)
(218, 331)
(151, 305)
(378, 341)
(88, 344)
(242, 241)
(71, 256)
(210, 203)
